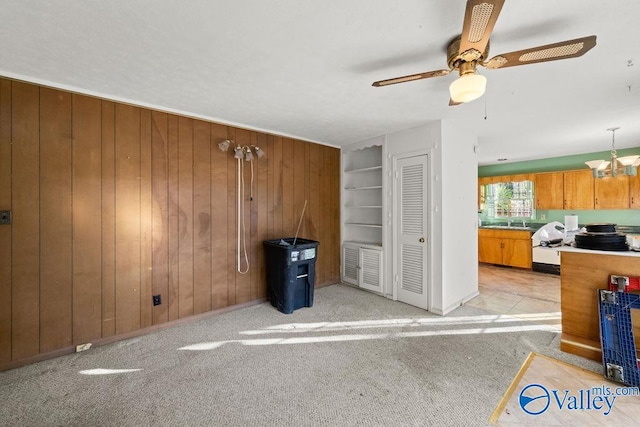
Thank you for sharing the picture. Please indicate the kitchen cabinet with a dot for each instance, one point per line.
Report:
(634, 191)
(519, 177)
(362, 266)
(612, 192)
(578, 189)
(505, 247)
(549, 190)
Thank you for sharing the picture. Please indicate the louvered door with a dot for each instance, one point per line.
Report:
(370, 263)
(412, 231)
(350, 264)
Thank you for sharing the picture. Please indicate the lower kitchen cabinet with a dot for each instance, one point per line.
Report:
(362, 266)
(505, 247)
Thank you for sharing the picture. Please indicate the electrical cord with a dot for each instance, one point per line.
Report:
(241, 213)
(251, 187)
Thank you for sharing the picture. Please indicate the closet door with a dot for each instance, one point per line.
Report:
(411, 231)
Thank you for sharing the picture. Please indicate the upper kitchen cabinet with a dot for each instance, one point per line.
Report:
(612, 192)
(520, 177)
(578, 189)
(362, 195)
(634, 192)
(549, 190)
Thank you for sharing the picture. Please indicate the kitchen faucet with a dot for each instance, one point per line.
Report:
(524, 223)
(509, 223)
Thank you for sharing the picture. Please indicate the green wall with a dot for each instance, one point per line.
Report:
(553, 164)
(620, 217)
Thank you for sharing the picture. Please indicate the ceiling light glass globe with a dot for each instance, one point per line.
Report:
(468, 87)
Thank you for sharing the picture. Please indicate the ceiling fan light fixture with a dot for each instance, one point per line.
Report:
(468, 87)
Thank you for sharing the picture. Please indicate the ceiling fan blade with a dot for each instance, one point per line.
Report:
(550, 52)
(479, 19)
(411, 77)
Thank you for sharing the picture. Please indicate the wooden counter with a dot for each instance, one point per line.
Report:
(582, 273)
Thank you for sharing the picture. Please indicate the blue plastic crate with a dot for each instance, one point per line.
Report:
(619, 357)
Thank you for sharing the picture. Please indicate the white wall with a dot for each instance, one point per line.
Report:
(459, 219)
(453, 248)
(421, 140)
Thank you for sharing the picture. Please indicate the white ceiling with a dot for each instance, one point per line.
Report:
(304, 68)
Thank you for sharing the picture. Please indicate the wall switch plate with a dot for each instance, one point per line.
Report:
(5, 217)
(157, 300)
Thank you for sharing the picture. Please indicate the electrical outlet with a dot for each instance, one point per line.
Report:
(83, 347)
(5, 217)
(157, 300)
(543, 216)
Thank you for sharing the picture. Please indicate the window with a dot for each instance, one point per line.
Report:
(509, 200)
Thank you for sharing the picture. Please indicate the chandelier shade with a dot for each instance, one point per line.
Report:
(627, 165)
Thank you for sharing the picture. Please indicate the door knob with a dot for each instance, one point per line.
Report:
(421, 240)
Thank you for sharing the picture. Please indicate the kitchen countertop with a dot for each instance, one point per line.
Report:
(590, 251)
(535, 226)
(507, 227)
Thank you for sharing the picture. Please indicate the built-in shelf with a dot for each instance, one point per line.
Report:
(362, 195)
(375, 187)
(373, 245)
(363, 170)
(360, 224)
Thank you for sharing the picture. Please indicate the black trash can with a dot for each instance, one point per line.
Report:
(291, 272)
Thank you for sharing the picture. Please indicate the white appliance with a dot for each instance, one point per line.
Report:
(546, 259)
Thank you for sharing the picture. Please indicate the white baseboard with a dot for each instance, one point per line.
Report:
(457, 304)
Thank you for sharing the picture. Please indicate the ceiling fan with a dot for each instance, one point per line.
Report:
(471, 48)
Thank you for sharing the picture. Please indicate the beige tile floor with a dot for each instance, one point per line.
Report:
(517, 292)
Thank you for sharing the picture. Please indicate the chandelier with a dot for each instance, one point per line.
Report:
(627, 165)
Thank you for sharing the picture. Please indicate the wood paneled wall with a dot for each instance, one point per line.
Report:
(114, 203)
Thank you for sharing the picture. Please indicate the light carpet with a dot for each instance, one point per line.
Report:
(352, 359)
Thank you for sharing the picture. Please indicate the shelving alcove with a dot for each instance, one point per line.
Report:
(362, 196)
